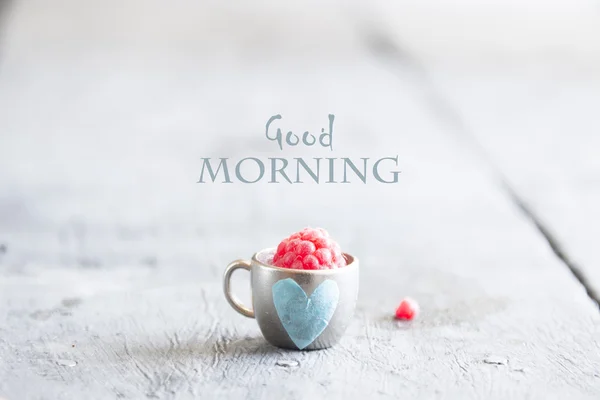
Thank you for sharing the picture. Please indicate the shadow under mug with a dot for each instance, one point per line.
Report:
(297, 309)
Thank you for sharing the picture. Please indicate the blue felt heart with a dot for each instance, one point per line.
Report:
(305, 318)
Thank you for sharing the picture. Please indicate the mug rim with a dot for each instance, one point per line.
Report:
(351, 263)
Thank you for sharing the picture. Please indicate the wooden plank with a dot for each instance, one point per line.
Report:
(527, 102)
(541, 130)
(110, 279)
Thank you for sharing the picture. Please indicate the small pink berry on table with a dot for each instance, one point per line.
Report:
(311, 249)
(408, 309)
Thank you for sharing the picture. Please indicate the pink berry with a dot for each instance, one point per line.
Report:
(407, 310)
(287, 260)
(281, 246)
(324, 256)
(291, 245)
(309, 234)
(310, 262)
(305, 248)
(309, 249)
(322, 242)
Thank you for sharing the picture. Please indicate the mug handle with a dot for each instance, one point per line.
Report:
(231, 298)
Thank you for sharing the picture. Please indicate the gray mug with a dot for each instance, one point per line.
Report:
(298, 309)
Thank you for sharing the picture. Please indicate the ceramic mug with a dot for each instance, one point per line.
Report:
(297, 309)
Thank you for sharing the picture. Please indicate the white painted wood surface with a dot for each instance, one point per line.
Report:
(542, 131)
(110, 278)
(527, 101)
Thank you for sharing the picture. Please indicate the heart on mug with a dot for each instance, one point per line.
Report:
(305, 318)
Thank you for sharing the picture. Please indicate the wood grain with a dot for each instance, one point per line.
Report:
(110, 278)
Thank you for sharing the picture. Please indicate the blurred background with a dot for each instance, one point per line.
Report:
(106, 109)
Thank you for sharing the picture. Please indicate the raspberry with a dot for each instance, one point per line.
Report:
(408, 309)
(309, 249)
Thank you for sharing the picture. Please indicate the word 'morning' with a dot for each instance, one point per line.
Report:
(320, 170)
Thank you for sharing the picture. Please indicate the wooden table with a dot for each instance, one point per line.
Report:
(111, 253)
